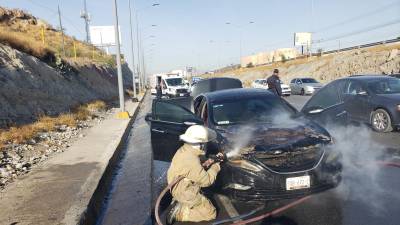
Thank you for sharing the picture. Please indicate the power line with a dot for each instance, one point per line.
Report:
(366, 14)
(378, 26)
(56, 12)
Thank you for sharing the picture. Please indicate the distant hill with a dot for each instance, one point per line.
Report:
(382, 59)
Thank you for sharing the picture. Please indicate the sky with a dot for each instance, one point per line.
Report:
(195, 33)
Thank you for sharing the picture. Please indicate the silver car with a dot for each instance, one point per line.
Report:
(305, 86)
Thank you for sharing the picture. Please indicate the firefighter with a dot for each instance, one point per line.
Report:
(191, 205)
(274, 83)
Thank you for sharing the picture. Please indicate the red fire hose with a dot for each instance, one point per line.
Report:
(260, 217)
(166, 189)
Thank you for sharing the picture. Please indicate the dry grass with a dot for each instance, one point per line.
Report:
(96, 106)
(66, 119)
(22, 134)
(27, 38)
(23, 44)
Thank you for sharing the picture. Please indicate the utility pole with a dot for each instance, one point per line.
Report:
(62, 30)
(120, 81)
(86, 17)
(133, 52)
(138, 51)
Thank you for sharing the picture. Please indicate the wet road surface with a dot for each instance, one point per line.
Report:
(357, 201)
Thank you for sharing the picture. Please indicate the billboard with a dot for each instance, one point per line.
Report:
(302, 39)
(103, 35)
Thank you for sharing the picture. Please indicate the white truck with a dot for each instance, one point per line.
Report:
(172, 85)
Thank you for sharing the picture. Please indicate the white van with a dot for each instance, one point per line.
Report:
(172, 85)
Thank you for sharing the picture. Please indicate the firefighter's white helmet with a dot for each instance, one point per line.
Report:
(198, 134)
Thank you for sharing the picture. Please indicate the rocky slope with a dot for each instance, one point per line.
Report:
(383, 59)
(30, 88)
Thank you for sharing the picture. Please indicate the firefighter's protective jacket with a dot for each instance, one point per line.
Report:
(195, 206)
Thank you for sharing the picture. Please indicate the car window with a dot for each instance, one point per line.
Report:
(308, 80)
(385, 86)
(353, 88)
(249, 110)
(324, 98)
(293, 81)
(172, 113)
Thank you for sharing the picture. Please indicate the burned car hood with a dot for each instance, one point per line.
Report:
(280, 148)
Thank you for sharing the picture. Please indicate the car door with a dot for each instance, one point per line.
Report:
(326, 106)
(168, 121)
(297, 86)
(356, 101)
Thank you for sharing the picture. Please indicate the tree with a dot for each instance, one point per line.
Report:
(250, 65)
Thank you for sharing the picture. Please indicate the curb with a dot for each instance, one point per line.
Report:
(94, 207)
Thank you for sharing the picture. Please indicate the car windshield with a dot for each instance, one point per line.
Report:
(174, 81)
(385, 86)
(309, 80)
(249, 110)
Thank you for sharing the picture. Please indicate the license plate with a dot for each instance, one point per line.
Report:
(294, 183)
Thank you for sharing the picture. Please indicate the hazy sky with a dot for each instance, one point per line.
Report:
(195, 33)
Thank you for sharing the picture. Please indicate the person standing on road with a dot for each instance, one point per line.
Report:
(191, 205)
(159, 88)
(274, 83)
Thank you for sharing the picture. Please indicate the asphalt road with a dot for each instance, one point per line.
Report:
(369, 194)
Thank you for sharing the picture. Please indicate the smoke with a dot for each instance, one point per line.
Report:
(241, 139)
(361, 175)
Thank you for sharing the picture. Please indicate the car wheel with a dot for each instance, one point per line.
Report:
(302, 92)
(381, 121)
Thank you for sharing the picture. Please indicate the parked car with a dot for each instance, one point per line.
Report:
(374, 100)
(278, 160)
(305, 86)
(262, 83)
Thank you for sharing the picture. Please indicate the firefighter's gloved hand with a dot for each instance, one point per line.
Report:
(220, 157)
(208, 163)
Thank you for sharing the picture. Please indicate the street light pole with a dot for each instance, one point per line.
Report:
(138, 51)
(120, 81)
(132, 52)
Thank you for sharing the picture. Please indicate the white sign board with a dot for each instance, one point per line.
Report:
(103, 35)
(302, 39)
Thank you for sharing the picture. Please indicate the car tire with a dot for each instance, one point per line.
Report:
(302, 92)
(381, 121)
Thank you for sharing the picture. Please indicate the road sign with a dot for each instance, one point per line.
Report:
(302, 39)
(103, 36)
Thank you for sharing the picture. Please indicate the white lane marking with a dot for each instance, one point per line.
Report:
(226, 202)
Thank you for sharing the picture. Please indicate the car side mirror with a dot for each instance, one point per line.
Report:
(315, 110)
(148, 117)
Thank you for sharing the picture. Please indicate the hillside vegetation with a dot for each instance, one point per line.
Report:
(40, 87)
(31, 35)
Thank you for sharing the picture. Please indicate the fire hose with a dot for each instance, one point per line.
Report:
(254, 219)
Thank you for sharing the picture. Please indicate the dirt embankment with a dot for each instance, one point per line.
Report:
(30, 88)
(384, 59)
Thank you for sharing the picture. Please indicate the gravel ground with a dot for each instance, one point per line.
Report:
(18, 159)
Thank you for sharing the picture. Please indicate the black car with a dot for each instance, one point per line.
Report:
(276, 157)
(374, 100)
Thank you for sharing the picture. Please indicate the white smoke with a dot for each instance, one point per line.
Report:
(361, 171)
(240, 140)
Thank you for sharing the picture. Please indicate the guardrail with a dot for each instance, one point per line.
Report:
(358, 47)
